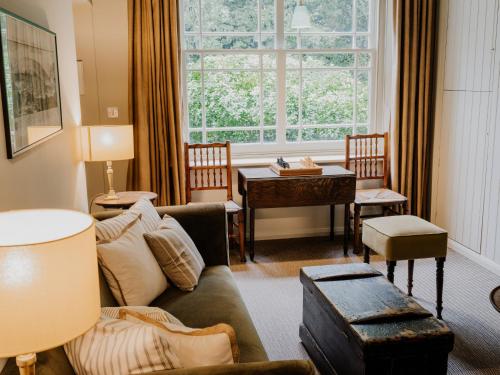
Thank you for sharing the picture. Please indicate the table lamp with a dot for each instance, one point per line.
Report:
(49, 283)
(108, 143)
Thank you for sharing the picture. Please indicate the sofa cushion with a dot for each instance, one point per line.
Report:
(215, 300)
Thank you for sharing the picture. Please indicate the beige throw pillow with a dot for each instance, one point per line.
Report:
(216, 345)
(176, 254)
(121, 347)
(149, 216)
(113, 227)
(131, 270)
(155, 313)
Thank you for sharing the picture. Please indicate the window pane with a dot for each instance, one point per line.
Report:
(267, 42)
(269, 61)
(362, 15)
(331, 15)
(267, 12)
(232, 99)
(292, 135)
(328, 134)
(193, 61)
(362, 130)
(191, 15)
(362, 97)
(270, 135)
(230, 42)
(339, 41)
(327, 97)
(364, 60)
(195, 137)
(362, 41)
(242, 61)
(269, 100)
(290, 41)
(234, 136)
(191, 42)
(340, 60)
(292, 98)
(229, 15)
(194, 99)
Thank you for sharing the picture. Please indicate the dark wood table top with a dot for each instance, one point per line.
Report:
(495, 298)
(259, 173)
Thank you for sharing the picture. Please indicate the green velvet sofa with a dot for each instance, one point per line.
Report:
(215, 300)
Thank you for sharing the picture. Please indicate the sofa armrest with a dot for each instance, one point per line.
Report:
(206, 224)
(293, 367)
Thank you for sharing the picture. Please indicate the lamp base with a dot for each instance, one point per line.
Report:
(26, 363)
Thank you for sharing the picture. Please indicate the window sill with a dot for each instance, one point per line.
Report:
(258, 162)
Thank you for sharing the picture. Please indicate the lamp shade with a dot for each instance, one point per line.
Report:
(49, 283)
(301, 18)
(107, 142)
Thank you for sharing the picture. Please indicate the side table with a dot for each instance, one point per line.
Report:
(125, 199)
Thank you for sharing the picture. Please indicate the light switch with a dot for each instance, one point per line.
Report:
(112, 112)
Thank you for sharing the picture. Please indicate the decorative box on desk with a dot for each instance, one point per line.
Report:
(355, 322)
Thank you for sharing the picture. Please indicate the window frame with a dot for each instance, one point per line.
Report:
(281, 147)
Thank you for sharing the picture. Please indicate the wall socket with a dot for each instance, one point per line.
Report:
(112, 112)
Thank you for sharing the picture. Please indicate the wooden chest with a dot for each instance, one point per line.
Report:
(357, 322)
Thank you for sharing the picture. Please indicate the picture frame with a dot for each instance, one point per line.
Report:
(29, 83)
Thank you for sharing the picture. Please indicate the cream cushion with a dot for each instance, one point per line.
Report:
(149, 216)
(216, 345)
(131, 270)
(404, 237)
(152, 312)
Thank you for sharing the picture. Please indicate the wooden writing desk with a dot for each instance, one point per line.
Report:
(262, 188)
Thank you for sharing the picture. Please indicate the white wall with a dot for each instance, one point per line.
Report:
(466, 173)
(49, 175)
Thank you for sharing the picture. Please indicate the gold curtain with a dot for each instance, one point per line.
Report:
(155, 100)
(412, 122)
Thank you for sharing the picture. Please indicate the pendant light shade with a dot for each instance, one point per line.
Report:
(301, 18)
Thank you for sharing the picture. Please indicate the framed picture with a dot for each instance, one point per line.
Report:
(29, 77)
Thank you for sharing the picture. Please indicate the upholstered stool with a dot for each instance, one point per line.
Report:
(407, 238)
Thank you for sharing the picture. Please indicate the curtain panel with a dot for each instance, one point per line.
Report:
(412, 118)
(155, 100)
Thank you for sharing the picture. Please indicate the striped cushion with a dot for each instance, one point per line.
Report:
(131, 270)
(176, 254)
(155, 313)
(112, 228)
(120, 347)
(215, 345)
(149, 216)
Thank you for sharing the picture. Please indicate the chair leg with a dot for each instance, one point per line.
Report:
(241, 228)
(411, 264)
(406, 211)
(366, 257)
(332, 222)
(347, 227)
(357, 220)
(439, 286)
(230, 229)
(391, 265)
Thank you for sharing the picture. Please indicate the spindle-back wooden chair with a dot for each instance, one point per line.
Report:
(367, 155)
(208, 167)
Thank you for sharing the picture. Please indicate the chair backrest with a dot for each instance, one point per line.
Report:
(363, 154)
(208, 167)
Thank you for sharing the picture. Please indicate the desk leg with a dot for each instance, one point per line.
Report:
(244, 207)
(347, 209)
(252, 234)
(332, 222)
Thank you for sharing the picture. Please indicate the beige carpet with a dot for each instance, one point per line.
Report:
(273, 294)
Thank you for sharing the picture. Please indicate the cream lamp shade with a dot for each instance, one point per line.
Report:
(301, 18)
(49, 283)
(107, 142)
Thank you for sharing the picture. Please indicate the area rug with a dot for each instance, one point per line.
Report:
(273, 294)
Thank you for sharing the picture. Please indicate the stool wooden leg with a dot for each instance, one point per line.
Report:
(357, 220)
(241, 227)
(332, 222)
(391, 264)
(411, 263)
(366, 257)
(439, 285)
